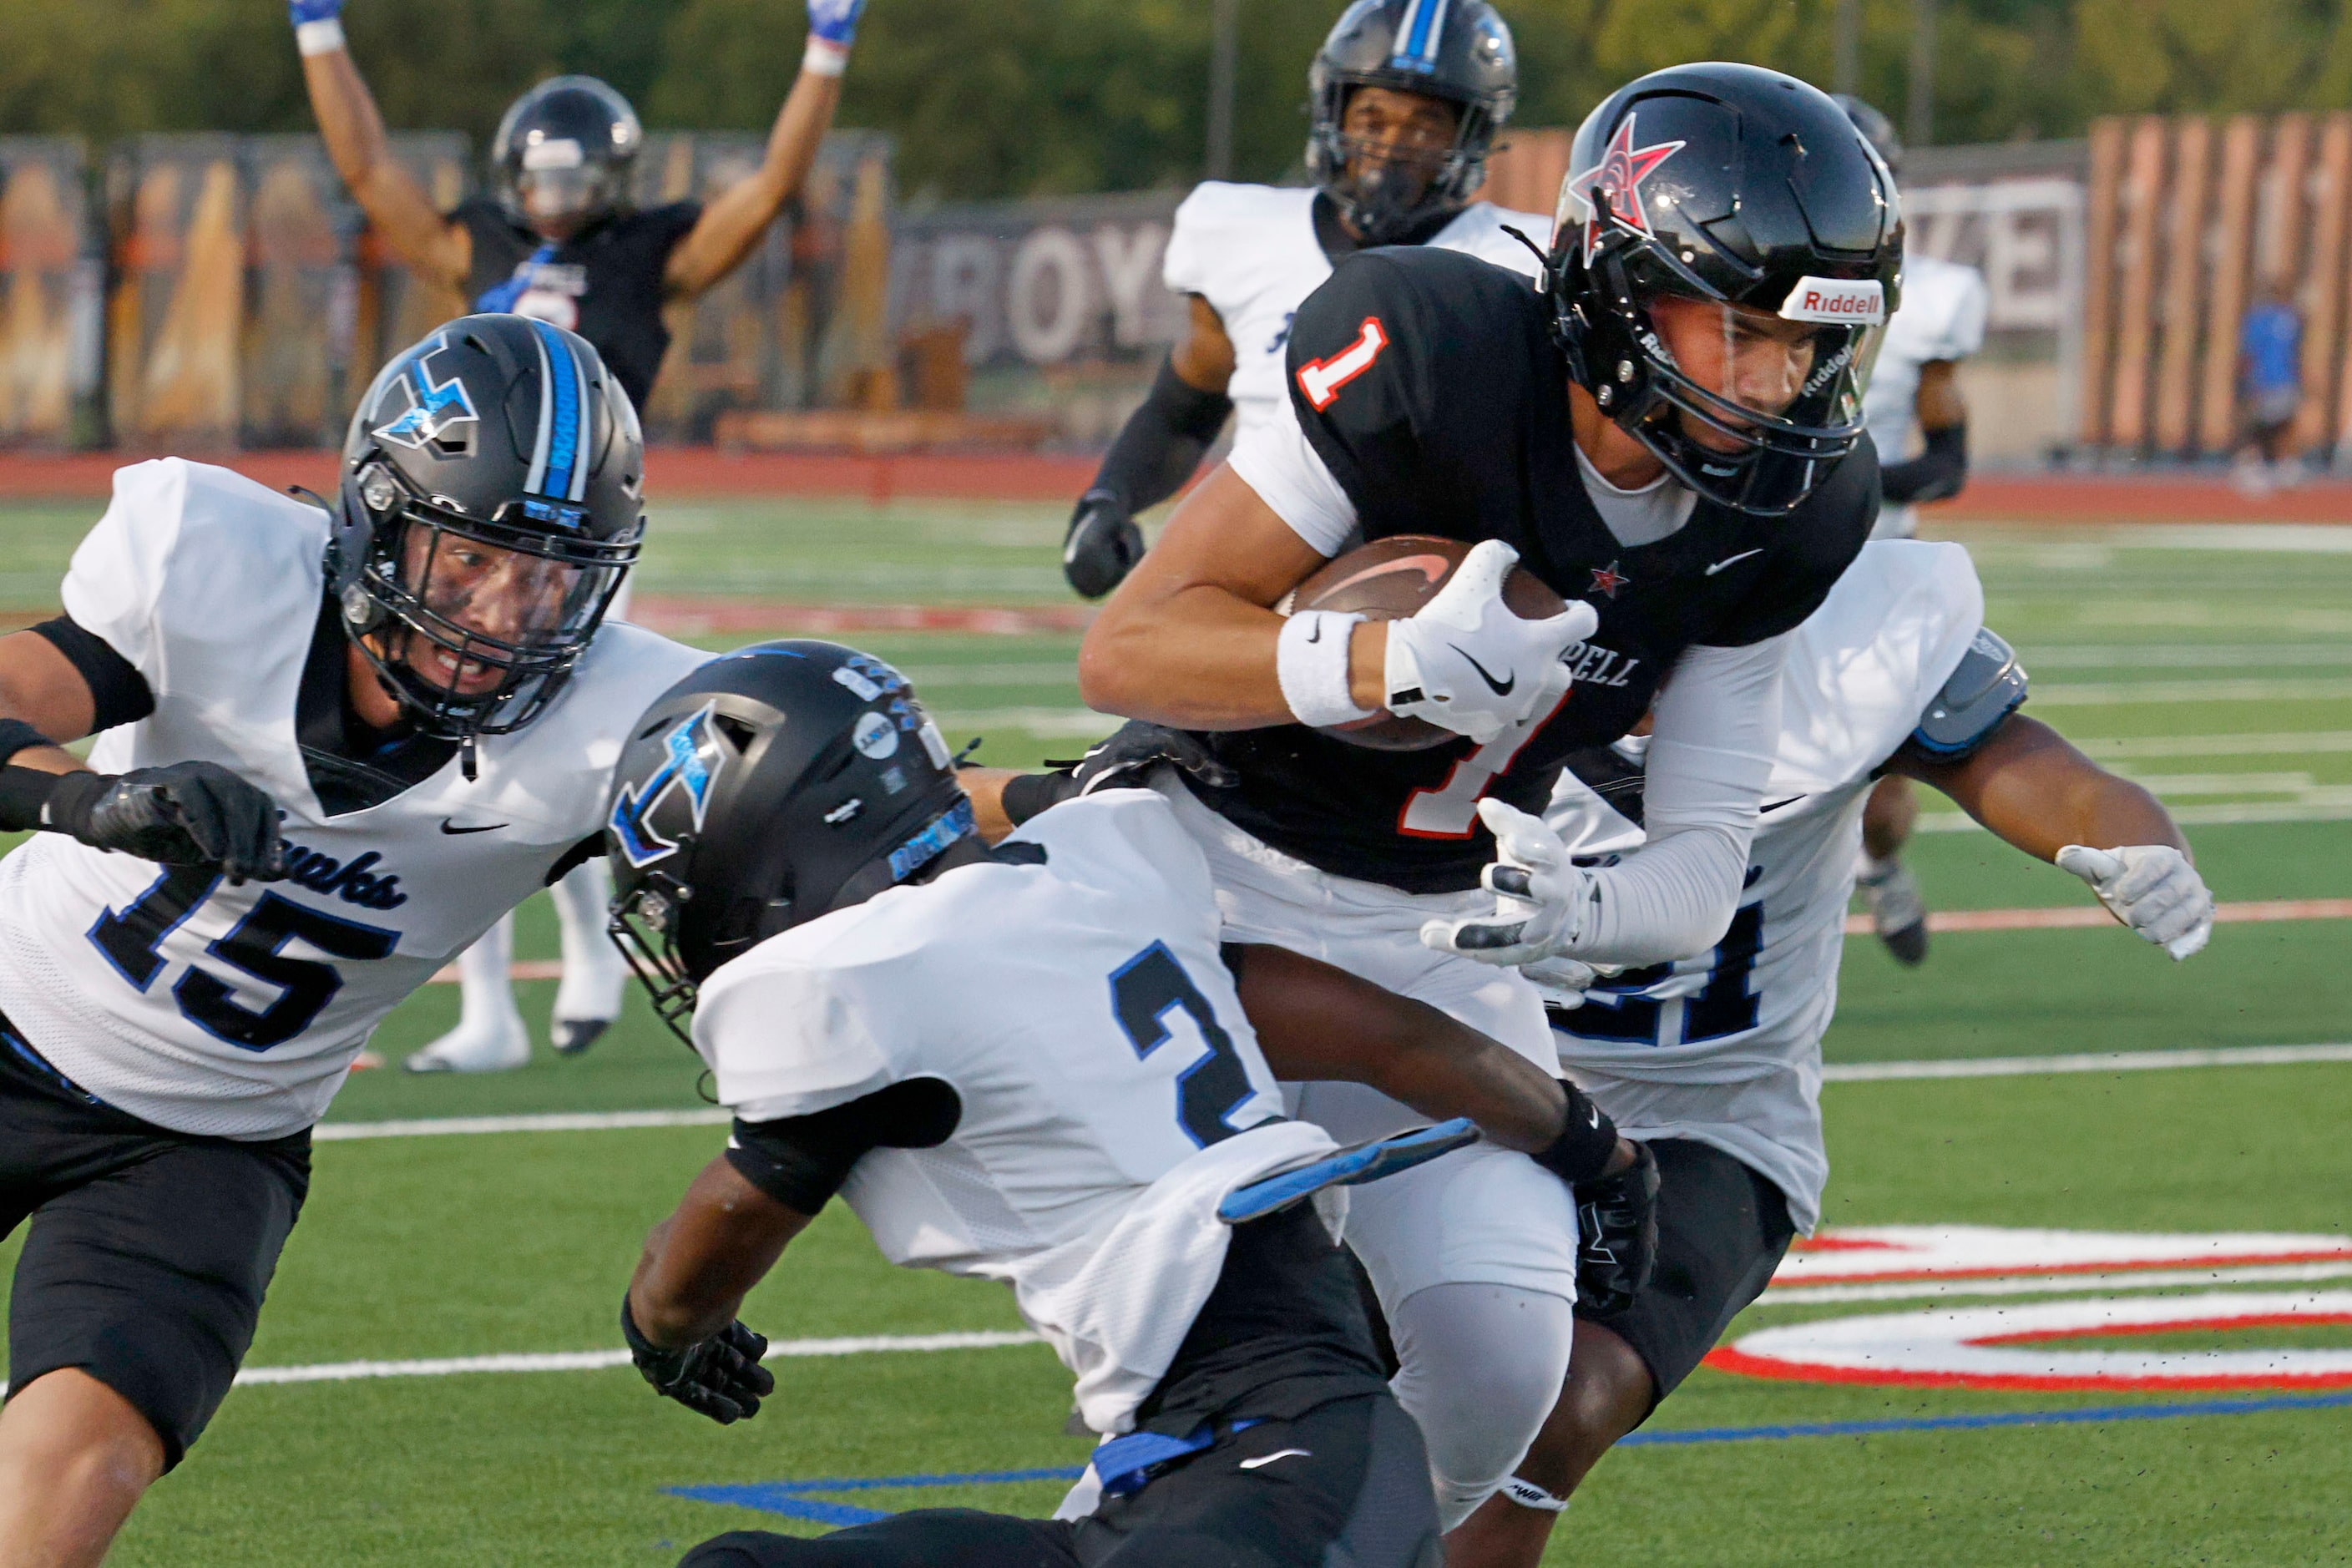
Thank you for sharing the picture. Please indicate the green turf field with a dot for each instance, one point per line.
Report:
(2217, 666)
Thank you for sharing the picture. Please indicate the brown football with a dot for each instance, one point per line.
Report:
(1388, 580)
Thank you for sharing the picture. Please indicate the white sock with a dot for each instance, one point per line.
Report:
(487, 985)
(593, 973)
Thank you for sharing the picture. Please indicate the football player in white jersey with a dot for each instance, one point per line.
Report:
(1914, 386)
(354, 735)
(1716, 1060)
(1037, 1065)
(1407, 97)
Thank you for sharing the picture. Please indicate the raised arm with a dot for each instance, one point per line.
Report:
(731, 224)
(350, 124)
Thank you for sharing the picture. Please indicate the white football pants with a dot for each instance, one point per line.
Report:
(1472, 1255)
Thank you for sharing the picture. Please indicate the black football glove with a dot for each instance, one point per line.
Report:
(189, 814)
(1103, 544)
(1616, 1235)
(1128, 757)
(719, 1377)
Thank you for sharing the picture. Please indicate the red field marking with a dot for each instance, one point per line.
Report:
(1725, 1358)
(2254, 912)
(684, 616)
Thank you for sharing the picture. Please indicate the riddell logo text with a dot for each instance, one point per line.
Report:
(1829, 300)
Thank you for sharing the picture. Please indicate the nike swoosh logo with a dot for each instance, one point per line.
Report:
(1732, 560)
(1779, 804)
(1315, 633)
(1499, 688)
(1277, 1454)
(453, 831)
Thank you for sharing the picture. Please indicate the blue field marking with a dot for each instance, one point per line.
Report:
(2088, 1416)
(792, 1498)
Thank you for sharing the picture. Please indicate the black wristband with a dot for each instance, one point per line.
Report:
(22, 792)
(16, 736)
(70, 798)
(1585, 1145)
(1936, 473)
(1026, 794)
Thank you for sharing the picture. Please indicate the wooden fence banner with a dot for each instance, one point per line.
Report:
(52, 273)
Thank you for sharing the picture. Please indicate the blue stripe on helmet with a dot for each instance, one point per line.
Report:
(1420, 34)
(566, 392)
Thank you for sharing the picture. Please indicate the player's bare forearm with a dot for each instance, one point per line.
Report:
(1316, 1022)
(985, 787)
(730, 226)
(40, 687)
(1938, 403)
(1204, 360)
(700, 1262)
(2033, 788)
(1189, 640)
(395, 202)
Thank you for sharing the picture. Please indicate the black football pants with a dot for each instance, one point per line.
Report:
(1347, 1482)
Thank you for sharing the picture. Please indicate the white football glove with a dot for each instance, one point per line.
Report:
(1466, 662)
(2152, 888)
(1540, 898)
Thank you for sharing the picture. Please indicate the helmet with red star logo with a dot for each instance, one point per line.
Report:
(1752, 198)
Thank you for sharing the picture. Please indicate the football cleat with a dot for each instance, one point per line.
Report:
(1353, 1166)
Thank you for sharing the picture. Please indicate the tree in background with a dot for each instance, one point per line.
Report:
(989, 99)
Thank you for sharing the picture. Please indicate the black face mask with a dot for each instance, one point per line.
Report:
(1395, 200)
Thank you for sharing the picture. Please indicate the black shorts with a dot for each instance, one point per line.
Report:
(1722, 1229)
(1345, 1482)
(149, 1251)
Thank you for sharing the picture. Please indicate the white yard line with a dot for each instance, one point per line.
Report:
(2111, 693)
(2293, 744)
(555, 1122)
(2323, 803)
(596, 1361)
(2055, 1284)
(2104, 1061)
(1840, 1072)
(2075, 916)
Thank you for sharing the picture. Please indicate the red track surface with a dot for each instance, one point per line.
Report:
(692, 471)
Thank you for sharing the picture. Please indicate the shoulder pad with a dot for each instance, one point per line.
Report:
(1987, 687)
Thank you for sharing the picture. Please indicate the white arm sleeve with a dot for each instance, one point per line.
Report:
(1718, 719)
(1275, 459)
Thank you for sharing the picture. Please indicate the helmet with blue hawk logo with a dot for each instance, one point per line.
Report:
(1456, 51)
(772, 785)
(491, 501)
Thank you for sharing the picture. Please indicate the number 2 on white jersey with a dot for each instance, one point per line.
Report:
(1451, 810)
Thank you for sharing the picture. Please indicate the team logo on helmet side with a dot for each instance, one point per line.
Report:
(1618, 176)
(435, 408)
(693, 758)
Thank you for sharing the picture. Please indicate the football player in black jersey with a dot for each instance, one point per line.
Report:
(561, 242)
(1669, 436)
(1407, 97)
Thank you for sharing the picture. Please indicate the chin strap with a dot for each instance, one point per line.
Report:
(1527, 1494)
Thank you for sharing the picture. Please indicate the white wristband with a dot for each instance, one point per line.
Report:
(1311, 661)
(1527, 1494)
(320, 37)
(824, 57)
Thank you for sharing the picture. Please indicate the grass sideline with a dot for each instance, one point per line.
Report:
(520, 1243)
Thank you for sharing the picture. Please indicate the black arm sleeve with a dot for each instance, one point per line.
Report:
(802, 1160)
(1163, 441)
(1026, 794)
(1934, 474)
(121, 694)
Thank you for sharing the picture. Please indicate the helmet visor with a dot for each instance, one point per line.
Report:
(564, 198)
(1741, 379)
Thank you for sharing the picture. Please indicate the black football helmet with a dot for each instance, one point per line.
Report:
(1738, 186)
(563, 154)
(1457, 50)
(1877, 130)
(774, 784)
(492, 503)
